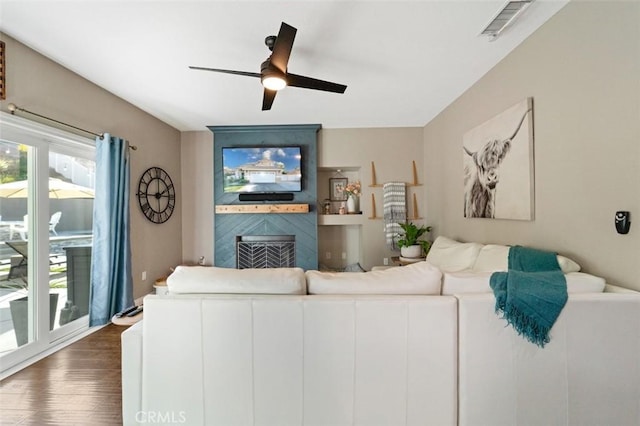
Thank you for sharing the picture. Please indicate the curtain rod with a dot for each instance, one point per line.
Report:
(13, 108)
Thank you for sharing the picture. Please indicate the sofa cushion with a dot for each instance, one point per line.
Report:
(567, 265)
(495, 257)
(492, 258)
(417, 278)
(211, 279)
(451, 256)
(478, 282)
(466, 282)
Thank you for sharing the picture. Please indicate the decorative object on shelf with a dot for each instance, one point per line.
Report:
(410, 244)
(336, 188)
(353, 188)
(156, 195)
(353, 205)
(342, 209)
(502, 147)
(326, 206)
(353, 191)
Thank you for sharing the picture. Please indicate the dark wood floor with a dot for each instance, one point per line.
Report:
(78, 385)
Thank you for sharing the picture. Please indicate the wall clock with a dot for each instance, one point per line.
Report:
(156, 195)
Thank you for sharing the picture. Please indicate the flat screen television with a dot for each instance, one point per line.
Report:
(262, 169)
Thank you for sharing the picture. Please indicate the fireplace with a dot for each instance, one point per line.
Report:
(265, 251)
(303, 226)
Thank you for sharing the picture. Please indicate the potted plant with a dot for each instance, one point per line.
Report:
(409, 243)
(19, 309)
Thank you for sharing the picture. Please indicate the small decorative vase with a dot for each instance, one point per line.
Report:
(352, 204)
(414, 251)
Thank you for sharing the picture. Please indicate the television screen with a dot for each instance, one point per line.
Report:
(262, 169)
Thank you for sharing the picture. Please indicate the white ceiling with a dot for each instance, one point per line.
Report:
(403, 62)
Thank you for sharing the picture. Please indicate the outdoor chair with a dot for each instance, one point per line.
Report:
(19, 270)
(21, 228)
(55, 219)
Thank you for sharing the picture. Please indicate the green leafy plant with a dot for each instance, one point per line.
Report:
(411, 235)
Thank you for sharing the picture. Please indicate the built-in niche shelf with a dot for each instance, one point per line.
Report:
(262, 208)
(374, 184)
(325, 174)
(340, 236)
(340, 219)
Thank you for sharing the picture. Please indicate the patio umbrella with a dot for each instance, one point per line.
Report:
(57, 189)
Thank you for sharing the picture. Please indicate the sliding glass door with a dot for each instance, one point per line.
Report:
(46, 204)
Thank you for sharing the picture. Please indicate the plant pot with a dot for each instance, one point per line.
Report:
(20, 316)
(413, 251)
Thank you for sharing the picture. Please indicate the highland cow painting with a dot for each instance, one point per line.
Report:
(498, 166)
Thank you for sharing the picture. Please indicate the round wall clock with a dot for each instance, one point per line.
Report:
(156, 195)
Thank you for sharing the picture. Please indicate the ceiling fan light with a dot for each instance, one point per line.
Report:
(274, 82)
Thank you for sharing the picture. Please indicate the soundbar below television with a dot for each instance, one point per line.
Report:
(264, 169)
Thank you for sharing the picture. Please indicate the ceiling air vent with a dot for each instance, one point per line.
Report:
(508, 14)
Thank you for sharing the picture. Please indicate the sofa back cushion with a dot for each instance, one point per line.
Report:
(211, 279)
(417, 278)
(492, 258)
(478, 282)
(455, 256)
(451, 256)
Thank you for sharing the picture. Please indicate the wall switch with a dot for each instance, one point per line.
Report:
(327, 255)
(144, 275)
(344, 255)
(385, 261)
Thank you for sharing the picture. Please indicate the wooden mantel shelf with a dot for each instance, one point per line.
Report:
(262, 208)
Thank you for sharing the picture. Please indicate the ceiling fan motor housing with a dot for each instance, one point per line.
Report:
(270, 41)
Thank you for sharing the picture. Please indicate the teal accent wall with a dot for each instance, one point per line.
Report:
(304, 226)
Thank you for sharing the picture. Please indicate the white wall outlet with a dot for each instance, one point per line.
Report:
(344, 255)
(327, 255)
(144, 275)
(385, 261)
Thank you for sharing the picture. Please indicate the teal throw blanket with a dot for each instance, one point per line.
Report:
(531, 295)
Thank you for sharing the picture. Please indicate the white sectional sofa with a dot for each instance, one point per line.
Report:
(382, 347)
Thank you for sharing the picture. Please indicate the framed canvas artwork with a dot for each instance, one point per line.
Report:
(336, 188)
(498, 166)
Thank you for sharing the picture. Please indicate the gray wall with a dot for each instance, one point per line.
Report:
(392, 150)
(582, 69)
(45, 87)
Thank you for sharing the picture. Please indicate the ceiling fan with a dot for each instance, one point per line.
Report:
(273, 72)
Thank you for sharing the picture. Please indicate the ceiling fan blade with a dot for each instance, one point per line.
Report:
(282, 48)
(267, 99)
(295, 80)
(245, 73)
